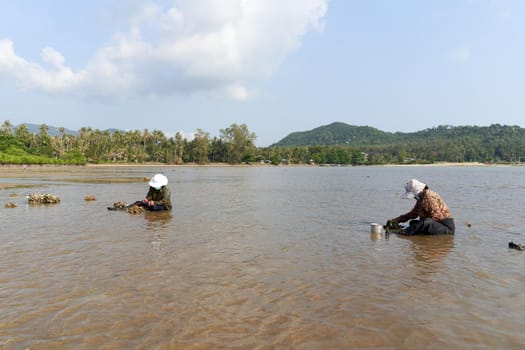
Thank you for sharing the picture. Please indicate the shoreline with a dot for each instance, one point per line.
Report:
(29, 167)
(18, 171)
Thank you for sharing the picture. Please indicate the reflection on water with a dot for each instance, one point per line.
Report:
(429, 252)
(157, 220)
(260, 257)
(156, 224)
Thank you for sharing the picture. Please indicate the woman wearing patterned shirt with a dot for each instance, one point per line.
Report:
(434, 215)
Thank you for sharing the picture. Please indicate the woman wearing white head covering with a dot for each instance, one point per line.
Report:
(434, 215)
(158, 196)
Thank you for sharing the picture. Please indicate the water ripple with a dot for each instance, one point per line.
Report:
(265, 258)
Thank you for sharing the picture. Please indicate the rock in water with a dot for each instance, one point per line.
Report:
(516, 246)
(39, 198)
(136, 210)
(120, 205)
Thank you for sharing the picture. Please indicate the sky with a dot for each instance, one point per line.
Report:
(278, 66)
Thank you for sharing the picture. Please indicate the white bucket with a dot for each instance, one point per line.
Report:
(376, 228)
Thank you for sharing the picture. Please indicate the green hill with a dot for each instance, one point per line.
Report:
(494, 143)
(337, 134)
(343, 134)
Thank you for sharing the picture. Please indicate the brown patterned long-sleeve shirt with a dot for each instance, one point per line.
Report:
(431, 206)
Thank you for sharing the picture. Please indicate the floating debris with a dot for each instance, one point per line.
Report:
(135, 210)
(90, 198)
(39, 198)
(10, 205)
(120, 205)
(516, 246)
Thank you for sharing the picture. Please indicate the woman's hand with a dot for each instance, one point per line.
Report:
(392, 224)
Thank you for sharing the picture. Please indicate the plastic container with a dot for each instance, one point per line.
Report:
(376, 228)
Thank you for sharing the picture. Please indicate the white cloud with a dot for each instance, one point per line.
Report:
(237, 91)
(31, 76)
(185, 135)
(206, 45)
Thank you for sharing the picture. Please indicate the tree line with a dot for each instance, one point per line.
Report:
(236, 144)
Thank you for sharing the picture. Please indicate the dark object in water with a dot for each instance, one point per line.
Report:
(517, 246)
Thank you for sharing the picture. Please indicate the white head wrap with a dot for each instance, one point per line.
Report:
(413, 188)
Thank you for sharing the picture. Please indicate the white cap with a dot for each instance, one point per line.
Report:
(413, 188)
(158, 181)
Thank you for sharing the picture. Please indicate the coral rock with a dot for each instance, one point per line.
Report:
(136, 210)
(120, 205)
(39, 198)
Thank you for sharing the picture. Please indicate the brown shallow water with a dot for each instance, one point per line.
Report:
(261, 258)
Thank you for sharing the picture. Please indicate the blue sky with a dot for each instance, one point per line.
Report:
(278, 66)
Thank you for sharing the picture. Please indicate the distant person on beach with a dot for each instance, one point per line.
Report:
(158, 196)
(430, 215)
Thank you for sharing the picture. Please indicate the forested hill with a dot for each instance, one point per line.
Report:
(337, 134)
(358, 136)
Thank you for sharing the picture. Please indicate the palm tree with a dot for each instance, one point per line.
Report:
(22, 133)
(44, 134)
(158, 142)
(7, 128)
(179, 148)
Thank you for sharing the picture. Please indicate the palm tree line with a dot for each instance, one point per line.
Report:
(235, 145)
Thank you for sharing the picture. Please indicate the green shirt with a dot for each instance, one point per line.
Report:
(160, 197)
